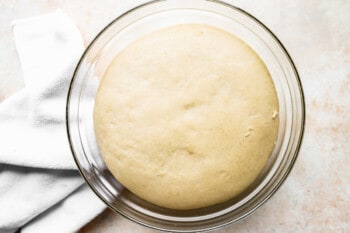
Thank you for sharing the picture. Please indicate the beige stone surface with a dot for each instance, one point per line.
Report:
(316, 195)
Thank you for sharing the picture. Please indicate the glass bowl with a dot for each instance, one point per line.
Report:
(138, 22)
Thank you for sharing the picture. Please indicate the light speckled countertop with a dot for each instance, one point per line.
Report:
(316, 195)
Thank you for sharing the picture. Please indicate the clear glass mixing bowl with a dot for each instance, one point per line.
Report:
(138, 22)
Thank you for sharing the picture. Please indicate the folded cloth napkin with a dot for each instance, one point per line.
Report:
(40, 188)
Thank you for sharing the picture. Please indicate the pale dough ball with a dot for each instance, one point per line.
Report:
(186, 117)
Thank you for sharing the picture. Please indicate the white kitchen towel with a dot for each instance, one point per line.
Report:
(40, 187)
(34, 120)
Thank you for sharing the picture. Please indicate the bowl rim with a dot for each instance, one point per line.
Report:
(299, 139)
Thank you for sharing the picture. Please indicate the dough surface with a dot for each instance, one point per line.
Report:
(186, 117)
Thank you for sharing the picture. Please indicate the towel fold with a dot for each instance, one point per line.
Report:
(40, 187)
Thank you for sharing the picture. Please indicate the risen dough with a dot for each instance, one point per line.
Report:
(185, 117)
